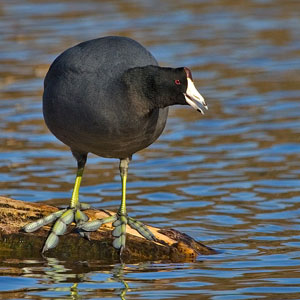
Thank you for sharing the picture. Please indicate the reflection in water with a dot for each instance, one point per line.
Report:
(118, 275)
(56, 272)
(229, 179)
(62, 278)
(74, 292)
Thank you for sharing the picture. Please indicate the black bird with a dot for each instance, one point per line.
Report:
(108, 96)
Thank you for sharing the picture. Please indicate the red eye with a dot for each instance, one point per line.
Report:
(177, 81)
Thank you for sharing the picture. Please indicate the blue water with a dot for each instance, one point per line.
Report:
(230, 179)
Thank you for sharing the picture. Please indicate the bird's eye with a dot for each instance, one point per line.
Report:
(177, 81)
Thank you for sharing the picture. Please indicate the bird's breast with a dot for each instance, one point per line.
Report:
(125, 136)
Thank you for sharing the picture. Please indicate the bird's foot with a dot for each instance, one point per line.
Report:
(119, 222)
(63, 218)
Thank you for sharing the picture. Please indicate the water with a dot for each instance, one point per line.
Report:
(229, 179)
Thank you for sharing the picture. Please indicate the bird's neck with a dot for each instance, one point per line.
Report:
(142, 91)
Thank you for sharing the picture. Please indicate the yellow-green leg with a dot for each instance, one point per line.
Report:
(121, 219)
(75, 195)
(65, 216)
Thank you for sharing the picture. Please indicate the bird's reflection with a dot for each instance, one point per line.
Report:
(118, 275)
(57, 272)
(74, 292)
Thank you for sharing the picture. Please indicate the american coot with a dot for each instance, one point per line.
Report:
(108, 96)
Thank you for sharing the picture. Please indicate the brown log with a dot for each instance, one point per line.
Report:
(14, 214)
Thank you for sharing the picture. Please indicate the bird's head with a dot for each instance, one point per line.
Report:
(164, 87)
(186, 90)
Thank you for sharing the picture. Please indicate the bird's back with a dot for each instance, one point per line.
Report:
(84, 104)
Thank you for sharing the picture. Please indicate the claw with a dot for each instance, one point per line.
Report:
(119, 242)
(119, 232)
(84, 234)
(31, 227)
(68, 217)
(51, 242)
(116, 223)
(80, 216)
(85, 206)
(59, 227)
(90, 226)
(63, 218)
(94, 225)
(141, 229)
(119, 223)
